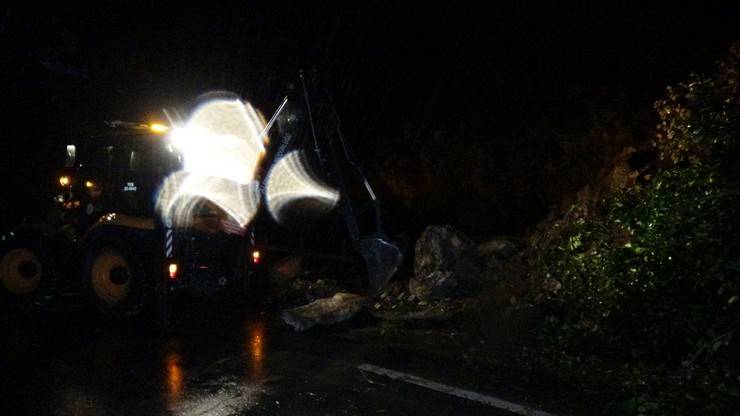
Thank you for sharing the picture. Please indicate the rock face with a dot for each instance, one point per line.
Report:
(340, 307)
(445, 260)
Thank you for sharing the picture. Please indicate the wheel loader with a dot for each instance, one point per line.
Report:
(108, 236)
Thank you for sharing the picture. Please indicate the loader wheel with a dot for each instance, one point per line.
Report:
(111, 277)
(21, 271)
(116, 281)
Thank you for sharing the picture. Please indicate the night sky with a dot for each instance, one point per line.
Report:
(441, 102)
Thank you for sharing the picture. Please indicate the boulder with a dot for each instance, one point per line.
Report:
(441, 247)
(444, 259)
(338, 308)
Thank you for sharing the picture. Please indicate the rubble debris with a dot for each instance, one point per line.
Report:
(340, 307)
(299, 291)
(436, 285)
(498, 248)
(322, 288)
(442, 310)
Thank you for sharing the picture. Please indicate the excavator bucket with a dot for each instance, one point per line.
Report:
(383, 259)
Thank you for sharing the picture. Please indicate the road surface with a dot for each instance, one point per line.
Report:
(218, 361)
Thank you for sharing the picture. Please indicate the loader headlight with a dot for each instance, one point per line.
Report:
(65, 180)
(158, 128)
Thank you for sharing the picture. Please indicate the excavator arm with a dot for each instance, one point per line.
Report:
(310, 123)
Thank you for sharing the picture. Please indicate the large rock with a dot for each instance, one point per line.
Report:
(441, 247)
(338, 308)
(445, 259)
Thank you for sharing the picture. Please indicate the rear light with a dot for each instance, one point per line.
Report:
(172, 269)
(256, 257)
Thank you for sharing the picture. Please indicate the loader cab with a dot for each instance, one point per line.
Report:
(117, 169)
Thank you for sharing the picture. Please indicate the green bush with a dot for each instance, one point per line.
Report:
(650, 268)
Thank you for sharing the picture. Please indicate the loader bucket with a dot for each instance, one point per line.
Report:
(383, 259)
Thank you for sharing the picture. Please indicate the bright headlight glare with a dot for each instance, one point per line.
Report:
(158, 128)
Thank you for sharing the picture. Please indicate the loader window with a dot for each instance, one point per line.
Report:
(97, 165)
(93, 185)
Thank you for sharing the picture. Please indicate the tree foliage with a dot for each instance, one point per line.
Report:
(655, 267)
(699, 118)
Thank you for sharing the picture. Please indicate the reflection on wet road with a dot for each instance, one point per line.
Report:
(174, 376)
(255, 344)
(73, 362)
(211, 362)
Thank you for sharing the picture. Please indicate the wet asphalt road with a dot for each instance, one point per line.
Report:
(227, 361)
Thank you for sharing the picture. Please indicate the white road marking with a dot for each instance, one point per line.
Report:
(454, 391)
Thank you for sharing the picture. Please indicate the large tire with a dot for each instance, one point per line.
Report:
(116, 279)
(22, 271)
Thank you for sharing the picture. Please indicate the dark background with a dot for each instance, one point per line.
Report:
(480, 116)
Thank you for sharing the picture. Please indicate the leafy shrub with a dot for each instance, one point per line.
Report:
(699, 118)
(654, 267)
